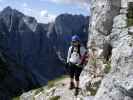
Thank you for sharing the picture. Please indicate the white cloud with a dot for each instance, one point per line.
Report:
(84, 4)
(0, 9)
(71, 1)
(26, 8)
(42, 16)
(44, 13)
(79, 2)
(25, 4)
(46, 17)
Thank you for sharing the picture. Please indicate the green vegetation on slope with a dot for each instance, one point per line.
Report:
(107, 67)
(39, 90)
(130, 14)
(16, 98)
(55, 98)
(53, 82)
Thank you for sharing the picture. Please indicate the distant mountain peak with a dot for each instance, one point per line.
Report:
(7, 9)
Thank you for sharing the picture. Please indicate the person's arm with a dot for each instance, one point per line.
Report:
(69, 54)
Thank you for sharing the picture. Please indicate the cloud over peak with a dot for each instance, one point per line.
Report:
(85, 4)
(43, 16)
(71, 1)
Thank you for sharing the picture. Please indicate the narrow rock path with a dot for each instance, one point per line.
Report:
(61, 89)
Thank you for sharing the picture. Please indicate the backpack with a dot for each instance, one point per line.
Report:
(77, 52)
(84, 59)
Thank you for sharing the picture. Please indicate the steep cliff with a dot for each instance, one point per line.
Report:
(34, 50)
(117, 85)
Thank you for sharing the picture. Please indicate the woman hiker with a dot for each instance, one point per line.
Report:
(75, 60)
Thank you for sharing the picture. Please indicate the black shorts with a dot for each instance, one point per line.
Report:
(75, 71)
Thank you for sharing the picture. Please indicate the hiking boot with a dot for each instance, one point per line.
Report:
(72, 86)
(76, 91)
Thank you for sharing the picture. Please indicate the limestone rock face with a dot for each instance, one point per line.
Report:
(103, 12)
(118, 84)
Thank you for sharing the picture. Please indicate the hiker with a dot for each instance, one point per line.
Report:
(75, 60)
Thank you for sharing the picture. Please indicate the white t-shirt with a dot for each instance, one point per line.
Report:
(74, 57)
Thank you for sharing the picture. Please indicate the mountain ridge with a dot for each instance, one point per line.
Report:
(35, 46)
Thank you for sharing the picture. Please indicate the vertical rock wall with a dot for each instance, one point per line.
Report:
(109, 24)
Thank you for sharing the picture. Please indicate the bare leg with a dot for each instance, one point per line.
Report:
(71, 83)
(77, 75)
(77, 84)
(71, 80)
(77, 88)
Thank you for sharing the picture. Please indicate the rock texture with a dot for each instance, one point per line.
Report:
(59, 91)
(34, 50)
(117, 85)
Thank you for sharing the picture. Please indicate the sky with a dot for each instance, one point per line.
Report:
(47, 10)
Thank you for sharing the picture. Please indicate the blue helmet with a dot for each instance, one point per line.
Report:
(75, 38)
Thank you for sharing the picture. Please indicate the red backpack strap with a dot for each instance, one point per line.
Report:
(84, 58)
